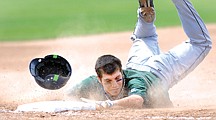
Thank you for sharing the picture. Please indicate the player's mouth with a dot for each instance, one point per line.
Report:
(115, 91)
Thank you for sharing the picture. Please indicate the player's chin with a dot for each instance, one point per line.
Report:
(115, 92)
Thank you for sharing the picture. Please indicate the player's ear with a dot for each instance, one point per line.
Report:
(99, 79)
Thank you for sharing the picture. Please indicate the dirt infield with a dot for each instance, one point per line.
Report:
(194, 97)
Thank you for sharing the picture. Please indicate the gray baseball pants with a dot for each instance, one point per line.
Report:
(174, 65)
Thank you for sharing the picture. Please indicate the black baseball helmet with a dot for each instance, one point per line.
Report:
(51, 72)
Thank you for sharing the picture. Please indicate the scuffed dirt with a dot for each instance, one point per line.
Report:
(194, 97)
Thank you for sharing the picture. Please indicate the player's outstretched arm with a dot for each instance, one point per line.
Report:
(133, 101)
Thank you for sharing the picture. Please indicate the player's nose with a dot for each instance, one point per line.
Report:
(114, 84)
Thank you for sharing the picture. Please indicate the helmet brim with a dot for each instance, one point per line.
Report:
(32, 66)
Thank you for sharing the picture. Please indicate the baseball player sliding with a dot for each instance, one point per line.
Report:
(149, 74)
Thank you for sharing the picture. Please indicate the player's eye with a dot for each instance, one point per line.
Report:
(118, 80)
(108, 81)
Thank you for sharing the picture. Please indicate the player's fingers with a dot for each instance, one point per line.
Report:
(88, 100)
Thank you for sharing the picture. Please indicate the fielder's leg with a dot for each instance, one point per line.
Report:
(144, 38)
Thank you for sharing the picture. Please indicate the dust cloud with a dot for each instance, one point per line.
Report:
(18, 86)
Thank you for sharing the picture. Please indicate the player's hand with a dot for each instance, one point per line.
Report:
(99, 104)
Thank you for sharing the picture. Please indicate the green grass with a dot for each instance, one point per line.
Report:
(167, 15)
(41, 19)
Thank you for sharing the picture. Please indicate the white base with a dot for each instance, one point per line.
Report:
(55, 106)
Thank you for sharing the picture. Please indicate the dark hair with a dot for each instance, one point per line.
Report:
(107, 64)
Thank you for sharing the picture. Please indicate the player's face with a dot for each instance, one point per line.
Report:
(112, 83)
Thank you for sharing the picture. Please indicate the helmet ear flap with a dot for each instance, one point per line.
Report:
(51, 72)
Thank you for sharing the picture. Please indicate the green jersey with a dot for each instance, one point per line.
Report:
(142, 83)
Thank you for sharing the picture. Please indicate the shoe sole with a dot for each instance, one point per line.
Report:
(147, 10)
